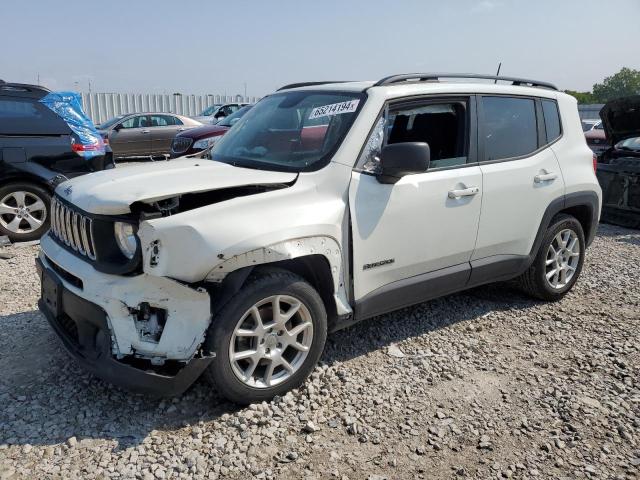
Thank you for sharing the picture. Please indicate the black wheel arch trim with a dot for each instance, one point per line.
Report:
(587, 199)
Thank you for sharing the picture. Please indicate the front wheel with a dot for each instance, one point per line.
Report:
(24, 209)
(558, 262)
(267, 339)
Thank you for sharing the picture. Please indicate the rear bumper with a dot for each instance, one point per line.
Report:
(83, 328)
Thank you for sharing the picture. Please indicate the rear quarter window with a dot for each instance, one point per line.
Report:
(509, 127)
(551, 120)
(29, 117)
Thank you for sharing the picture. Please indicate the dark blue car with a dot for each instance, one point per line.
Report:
(45, 138)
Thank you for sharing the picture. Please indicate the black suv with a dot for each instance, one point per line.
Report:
(45, 138)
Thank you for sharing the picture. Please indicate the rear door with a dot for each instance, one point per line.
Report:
(132, 138)
(521, 175)
(164, 129)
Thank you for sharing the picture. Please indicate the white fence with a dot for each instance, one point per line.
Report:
(103, 106)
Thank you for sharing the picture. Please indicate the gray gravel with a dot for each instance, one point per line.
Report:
(484, 384)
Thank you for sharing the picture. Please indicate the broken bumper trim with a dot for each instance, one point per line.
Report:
(83, 329)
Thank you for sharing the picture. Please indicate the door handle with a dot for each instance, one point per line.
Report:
(144, 131)
(545, 177)
(181, 129)
(463, 192)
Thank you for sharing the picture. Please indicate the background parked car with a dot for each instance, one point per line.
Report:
(619, 167)
(197, 139)
(588, 124)
(217, 112)
(143, 135)
(45, 138)
(597, 139)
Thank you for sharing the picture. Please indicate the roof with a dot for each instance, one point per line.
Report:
(23, 90)
(419, 82)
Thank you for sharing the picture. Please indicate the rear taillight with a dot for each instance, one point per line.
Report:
(595, 163)
(87, 150)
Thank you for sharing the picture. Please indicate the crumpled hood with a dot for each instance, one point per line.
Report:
(621, 118)
(111, 192)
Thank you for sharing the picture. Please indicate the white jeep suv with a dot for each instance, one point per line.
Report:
(326, 204)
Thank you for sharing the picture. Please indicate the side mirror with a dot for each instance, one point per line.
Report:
(220, 115)
(118, 127)
(400, 159)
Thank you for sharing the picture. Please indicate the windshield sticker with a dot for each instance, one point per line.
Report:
(334, 109)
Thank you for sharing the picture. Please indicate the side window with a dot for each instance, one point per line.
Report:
(442, 125)
(551, 119)
(134, 122)
(161, 121)
(20, 116)
(509, 127)
(175, 120)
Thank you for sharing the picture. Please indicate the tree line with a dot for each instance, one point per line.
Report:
(623, 84)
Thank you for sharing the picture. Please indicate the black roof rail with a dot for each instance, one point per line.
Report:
(310, 84)
(435, 77)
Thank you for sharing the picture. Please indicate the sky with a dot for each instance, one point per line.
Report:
(219, 47)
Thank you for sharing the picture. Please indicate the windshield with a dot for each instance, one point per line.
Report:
(290, 131)
(629, 144)
(110, 123)
(232, 119)
(207, 112)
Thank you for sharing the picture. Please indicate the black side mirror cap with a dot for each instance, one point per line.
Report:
(400, 159)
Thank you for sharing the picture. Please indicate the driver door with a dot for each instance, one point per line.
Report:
(133, 138)
(413, 240)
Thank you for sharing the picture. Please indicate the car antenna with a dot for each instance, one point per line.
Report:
(498, 72)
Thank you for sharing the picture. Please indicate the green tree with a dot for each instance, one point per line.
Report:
(582, 97)
(624, 83)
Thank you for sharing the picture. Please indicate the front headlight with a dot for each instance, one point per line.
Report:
(125, 238)
(207, 142)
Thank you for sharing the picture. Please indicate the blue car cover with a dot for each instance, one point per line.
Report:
(68, 106)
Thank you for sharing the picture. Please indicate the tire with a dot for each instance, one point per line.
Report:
(534, 281)
(232, 332)
(24, 211)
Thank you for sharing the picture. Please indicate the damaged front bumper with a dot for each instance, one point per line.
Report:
(98, 318)
(620, 183)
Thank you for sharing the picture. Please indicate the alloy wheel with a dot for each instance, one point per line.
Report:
(563, 257)
(22, 212)
(271, 341)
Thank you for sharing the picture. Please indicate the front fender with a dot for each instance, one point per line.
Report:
(289, 250)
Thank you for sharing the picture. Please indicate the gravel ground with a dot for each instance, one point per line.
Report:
(484, 384)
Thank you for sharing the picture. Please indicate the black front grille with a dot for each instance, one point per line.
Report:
(181, 144)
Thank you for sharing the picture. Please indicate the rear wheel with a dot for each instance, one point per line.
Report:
(558, 262)
(267, 339)
(24, 211)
